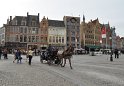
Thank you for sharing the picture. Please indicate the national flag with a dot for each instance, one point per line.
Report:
(103, 32)
(100, 37)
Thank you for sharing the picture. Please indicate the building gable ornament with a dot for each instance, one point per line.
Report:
(73, 20)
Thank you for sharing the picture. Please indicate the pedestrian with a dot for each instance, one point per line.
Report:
(5, 54)
(15, 56)
(30, 55)
(0, 53)
(116, 53)
(19, 56)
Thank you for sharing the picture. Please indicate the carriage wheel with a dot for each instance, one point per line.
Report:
(41, 60)
(49, 62)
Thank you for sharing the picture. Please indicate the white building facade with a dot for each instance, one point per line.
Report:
(57, 34)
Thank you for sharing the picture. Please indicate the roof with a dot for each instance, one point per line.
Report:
(95, 21)
(107, 26)
(56, 23)
(19, 19)
(31, 18)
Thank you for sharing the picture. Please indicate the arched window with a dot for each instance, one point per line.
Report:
(21, 38)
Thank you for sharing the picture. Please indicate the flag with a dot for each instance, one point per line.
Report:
(100, 36)
(103, 32)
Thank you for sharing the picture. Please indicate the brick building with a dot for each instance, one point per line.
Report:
(90, 34)
(22, 31)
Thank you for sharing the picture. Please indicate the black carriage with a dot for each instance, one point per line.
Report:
(43, 54)
(49, 57)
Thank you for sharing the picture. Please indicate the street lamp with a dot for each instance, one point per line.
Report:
(111, 58)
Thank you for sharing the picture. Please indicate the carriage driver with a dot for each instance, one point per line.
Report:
(50, 49)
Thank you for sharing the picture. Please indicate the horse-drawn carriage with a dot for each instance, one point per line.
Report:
(56, 58)
(49, 57)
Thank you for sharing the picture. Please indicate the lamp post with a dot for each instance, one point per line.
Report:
(111, 58)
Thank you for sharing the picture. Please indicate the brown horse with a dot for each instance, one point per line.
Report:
(67, 54)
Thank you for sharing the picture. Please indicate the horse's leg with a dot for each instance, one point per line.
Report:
(64, 62)
(61, 61)
(69, 59)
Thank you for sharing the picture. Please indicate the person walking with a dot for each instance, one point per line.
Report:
(5, 54)
(19, 56)
(0, 53)
(30, 55)
(15, 56)
(116, 53)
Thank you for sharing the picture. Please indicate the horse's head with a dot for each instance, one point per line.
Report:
(71, 49)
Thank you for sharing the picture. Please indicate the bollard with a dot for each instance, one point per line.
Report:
(111, 58)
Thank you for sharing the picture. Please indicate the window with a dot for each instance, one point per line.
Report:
(37, 38)
(3, 36)
(45, 39)
(29, 38)
(33, 31)
(73, 39)
(16, 22)
(36, 30)
(33, 38)
(56, 39)
(17, 38)
(50, 39)
(25, 30)
(67, 38)
(62, 39)
(41, 39)
(59, 39)
(73, 33)
(25, 38)
(53, 39)
(16, 29)
(78, 39)
(33, 23)
(23, 23)
(21, 38)
(21, 29)
(29, 30)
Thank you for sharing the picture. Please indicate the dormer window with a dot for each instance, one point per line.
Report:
(16, 22)
(23, 23)
(33, 23)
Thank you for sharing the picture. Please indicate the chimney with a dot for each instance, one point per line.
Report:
(7, 21)
(10, 18)
(38, 15)
(27, 13)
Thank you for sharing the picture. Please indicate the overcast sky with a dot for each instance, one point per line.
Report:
(111, 11)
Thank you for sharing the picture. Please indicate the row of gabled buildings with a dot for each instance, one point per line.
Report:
(24, 31)
(97, 35)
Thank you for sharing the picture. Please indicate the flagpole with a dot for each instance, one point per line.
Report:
(106, 39)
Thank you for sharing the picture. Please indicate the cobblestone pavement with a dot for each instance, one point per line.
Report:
(87, 71)
(13, 74)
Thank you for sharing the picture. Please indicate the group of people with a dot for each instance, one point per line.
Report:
(4, 53)
(18, 57)
(116, 52)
